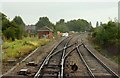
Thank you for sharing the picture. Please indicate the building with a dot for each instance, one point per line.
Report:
(30, 29)
(45, 32)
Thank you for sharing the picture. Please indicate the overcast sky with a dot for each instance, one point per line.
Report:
(91, 10)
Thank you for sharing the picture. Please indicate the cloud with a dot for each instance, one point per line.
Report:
(59, 0)
(31, 11)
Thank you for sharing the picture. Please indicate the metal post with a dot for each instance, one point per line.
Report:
(1, 57)
(1, 43)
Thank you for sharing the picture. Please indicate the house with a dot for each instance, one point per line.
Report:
(45, 32)
(30, 29)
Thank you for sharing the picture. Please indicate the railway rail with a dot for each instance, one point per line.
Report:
(68, 52)
(59, 64)
(53, 60)
(99, 69)
(94, 65)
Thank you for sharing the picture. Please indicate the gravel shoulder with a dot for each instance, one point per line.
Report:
(112, 65)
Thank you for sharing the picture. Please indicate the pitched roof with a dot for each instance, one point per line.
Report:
(30, 27)
(45, 28)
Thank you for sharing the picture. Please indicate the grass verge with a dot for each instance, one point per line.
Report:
(19, 48)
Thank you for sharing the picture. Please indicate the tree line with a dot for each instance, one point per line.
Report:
(62, 26)
(12, 30)
(108, 36)
(15, 29)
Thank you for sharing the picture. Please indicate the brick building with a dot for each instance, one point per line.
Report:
(45, 32)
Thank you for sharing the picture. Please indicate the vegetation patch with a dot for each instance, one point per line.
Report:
(104, 51)
(19, 48)
(107, 37)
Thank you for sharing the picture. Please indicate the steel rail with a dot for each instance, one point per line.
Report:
(71, 51)
(44, 61)
(56, 47)
(103, 64)
(85, 63)
(62, 60)
(58, 52)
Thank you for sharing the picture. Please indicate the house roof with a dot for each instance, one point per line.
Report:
(45, 28)
(30, 27)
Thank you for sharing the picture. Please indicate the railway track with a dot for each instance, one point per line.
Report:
(69, 51)
(58, 64)
(55, 60)
(96, 68)
(71, 58)
(66, 52)
(52, 64)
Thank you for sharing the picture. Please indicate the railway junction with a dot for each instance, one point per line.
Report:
(70, 57)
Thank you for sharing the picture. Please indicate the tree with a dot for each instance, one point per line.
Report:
(100, 23)
(10, 33)
(61, 21)
(78, 25)
(61, 26)
(20, 26)
(90, 24)
(90, 28)
(44, 21)
(12, 29)
(107, 35)
(5, 22)
(97, 24)
(18, 20)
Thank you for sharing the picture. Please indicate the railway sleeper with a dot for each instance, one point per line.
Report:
(31, 63)
(51, 70)
(23, 72)
(52, 66)
(50, 75)
(103, 75)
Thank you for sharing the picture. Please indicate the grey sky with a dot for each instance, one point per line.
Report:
(91, 11)
(59, 0)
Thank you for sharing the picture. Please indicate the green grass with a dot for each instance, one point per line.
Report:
(19, 48)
